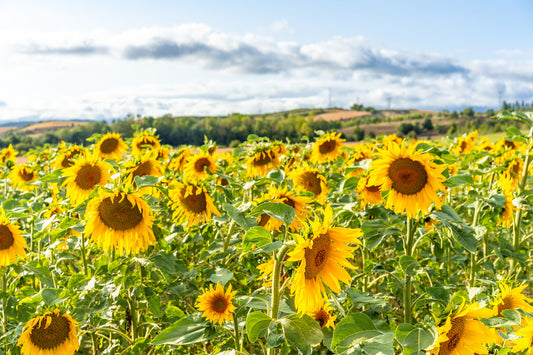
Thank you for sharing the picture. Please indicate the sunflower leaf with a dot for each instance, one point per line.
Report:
(415, 339)
(184, 332)
(222, 275)
(302, 332)
(256, 325)
(256, 237)
(277, 210)
(355, 330)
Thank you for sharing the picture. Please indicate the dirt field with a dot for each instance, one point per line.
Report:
(43, 127)
(341, 115)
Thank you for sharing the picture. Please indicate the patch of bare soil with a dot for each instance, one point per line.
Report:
(341, 115)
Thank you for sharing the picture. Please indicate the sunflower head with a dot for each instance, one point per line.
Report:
(145, 141)
(179, 160)
(22, 175)
(121, 221)
(324, 316)
(512, 299)
(200, 166)
(67, 156)
(369, 194)
(192, 204)
(310, 180)
(216, 304)
(262, 160)
(12, 243)
(412, 179)
(8, 154)
(327, 148)
(110, 146)
(52, 333)
(300, 204)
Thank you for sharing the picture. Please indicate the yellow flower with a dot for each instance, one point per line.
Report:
(324, 317)
(192, 204)
(327, 148)
(82, 177)
(8, 154)
(12, 244)
(321, 259)
(411, 178)
(178, 162)
(310, 179)
(526, 341)
(121, 221)
(53, 333)
(370, 194)
(66, 158)
(21, 175)
(200, 166)
(463, 333)
(110, 146)
(267, 270)
(465, 144)
(144, 141)
(299, 203)
(216, 304)
(262, 161)
(512, 299)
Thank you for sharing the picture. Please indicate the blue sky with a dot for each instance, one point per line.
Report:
(105, 59)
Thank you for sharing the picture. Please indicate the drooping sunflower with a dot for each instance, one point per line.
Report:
(327, 148)
(465, 144)
(144, 141)
(12, 244)
(507, 185)
(311, 180)
(200, 166)
(526, 340)
(82, 177)
(267, 270)
(512, 299)
(411, 178)
(324, 317)
(53, 333)
(300, 204)
(110, 146)
(121, 221)
(146, 166)
(8, 154)
(67, 157)
(463, 332)
(262, 161)
(369, 194)
(322, 257)
(192, 204)
(178, 161)
(216, 304)
(22, 175)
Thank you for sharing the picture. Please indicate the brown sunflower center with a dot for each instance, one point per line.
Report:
(263, 220)
(317, 256)
(322, 317)
(200, 164)
(509, 144)
(327, 146)
(196, 202)
(372, 188)
(88, 176)
(462, 146)
(6, 237)
(143, 169)
(311, 183)
(219, 304)
(455, 333)
(288, 201)
(408, 176)
(263, 158)
(109, 145)
(69, 157)
(119, 213)
(144, 142)
(51, 336)
(26, 174)
(507, 303)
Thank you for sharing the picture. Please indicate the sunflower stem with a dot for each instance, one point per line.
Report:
(276, 295)
(236, 331)
(84, 258)
(473, 256)
(228, 237)
(4, 300)
(408, 249)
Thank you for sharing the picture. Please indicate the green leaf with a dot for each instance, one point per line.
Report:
(222, 275)
(439, 293)
(302, 332)
(352, 330)
(513, 131)
(415, 339)
(239, 217)
(256, 237)
(277, 210)
(52, 177)
(165, 262)
(277, 175)
(185, 331)
(154, 305)
(269, 248)
(463, 233)
(51, 296)
(409, 264)
(510, 318)
(256, 325)
(459, 180)
(147, 180)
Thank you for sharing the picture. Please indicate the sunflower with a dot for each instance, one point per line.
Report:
(119, 220)
(463, 333)
(53, 333)
(67, 157)
(82, 177)
(21, 175)
(326, 148)
(178, 161)
(310, 179)
(192, 204)
(299, 203)
(526, 341)
(324, 317)
(267, 272)
(145, 141)
(512, 299)
(8, 154)
(362, 152)
(200, 166)
(12, 244)
(147, 166)
(370, 194)
(411, 178)
(262, 161)
(216, 304)
(110, 146)
(507, 184)
(321, 258)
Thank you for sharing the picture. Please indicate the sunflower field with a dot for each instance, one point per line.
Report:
(390, 246)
